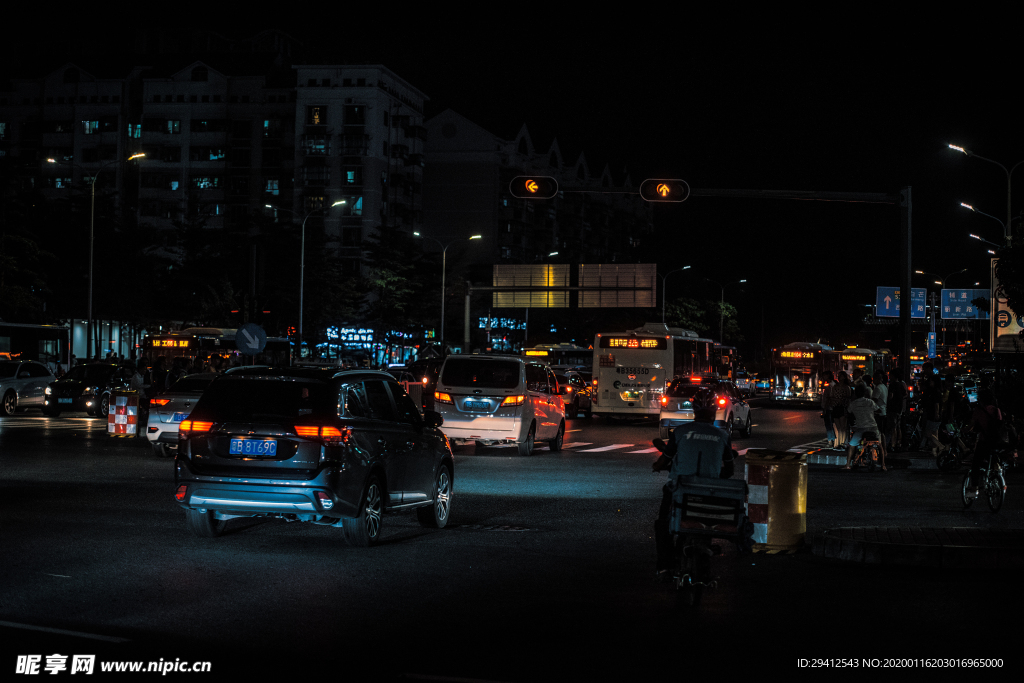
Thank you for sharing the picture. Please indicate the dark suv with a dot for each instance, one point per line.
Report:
(317, 445)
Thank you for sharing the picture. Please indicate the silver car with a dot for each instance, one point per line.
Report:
(167, 410)
(22, 385)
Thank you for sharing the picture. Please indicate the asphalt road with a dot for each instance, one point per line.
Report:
(545, 573)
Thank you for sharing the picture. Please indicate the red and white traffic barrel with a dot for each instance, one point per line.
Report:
(123, 413)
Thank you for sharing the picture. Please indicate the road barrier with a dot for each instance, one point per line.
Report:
(777, 501)
(123, 413)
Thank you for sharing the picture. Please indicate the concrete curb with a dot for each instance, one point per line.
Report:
(951, 548)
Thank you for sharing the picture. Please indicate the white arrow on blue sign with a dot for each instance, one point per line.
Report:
(887, 302)
(250, 339)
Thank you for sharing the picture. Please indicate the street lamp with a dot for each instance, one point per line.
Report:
(664, 289)
(444, 265)
(1009, 174)
(721, 318)
(302, 257)
(980, 239)
(92, 220)
(942, 283)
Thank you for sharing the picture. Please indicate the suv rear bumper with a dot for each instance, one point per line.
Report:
(246, 496)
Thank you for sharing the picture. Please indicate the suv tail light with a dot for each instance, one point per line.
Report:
(442, 397)
(721, 401)
(325, 500)
(664, 400)
(181, 492)
(326, 433)
(513, 401)
(160, 401)
(194, 426)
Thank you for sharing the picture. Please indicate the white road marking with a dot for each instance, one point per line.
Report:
(79, 634)
(646, 450)
(613, 447)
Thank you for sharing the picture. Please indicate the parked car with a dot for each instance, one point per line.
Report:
(167, 410)
(682, 395)
(745, 383)
(500, 399)
(338, 448)
(23, 384)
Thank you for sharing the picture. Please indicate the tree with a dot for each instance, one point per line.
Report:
(688, 314)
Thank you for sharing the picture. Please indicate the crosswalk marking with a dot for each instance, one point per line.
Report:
(607, 448)
(646, 450)
(576, 444)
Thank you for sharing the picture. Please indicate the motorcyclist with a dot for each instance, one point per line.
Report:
(697, 448)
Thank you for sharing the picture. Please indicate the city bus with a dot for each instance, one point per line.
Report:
(725, 361)
(797, 371)
(867, 360)
(201, 343)
(568, 355)
(632, 369)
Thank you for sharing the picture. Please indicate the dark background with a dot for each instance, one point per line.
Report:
(838, 103)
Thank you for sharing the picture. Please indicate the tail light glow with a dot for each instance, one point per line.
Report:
(664, 400)
(442, 397)
(513, 401)
(327, 433)
(721, 401)
(160, 401)
(194, 426)
(181, 492)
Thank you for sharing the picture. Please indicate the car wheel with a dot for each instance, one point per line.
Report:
(436, 516)
(104, 407)
(526, 447)
(204, 524)
(9, 404)
(160, 450)
(364, 530)
(555, 444)
(747, 428)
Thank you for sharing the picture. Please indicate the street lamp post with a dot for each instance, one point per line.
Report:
(302, 257)
(721, 310)
(1009, 175)
(664, 289)
(942, 283)
(444, 265)
(92, 220)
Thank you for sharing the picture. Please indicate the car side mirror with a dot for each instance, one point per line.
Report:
(432, 419)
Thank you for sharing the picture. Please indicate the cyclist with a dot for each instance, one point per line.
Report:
(696, 448)
(863, 410)
(986, 422)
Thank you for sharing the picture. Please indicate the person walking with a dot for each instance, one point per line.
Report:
(880, 395)
(841, 394)
(828, 379)
(896, 407)
(931, 408)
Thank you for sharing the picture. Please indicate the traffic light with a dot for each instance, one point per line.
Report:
(533, 187)
(664, 190)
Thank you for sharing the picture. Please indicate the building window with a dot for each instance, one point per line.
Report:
(506, 252)
(170, 154)
(354, 176)
(314, 202)
(206, 98)
(311, 82)
(135, 130)
(104, 99)
(316, 145)
(355, 115)
(361, 82)
(273, 187)
(326, 82)
(59, 183)
(346, 82)
(193, 98)
(216, 98)
(233, 99)
(208, 182)
(272, 128)
(353, 206)
(316, 115)
(181, 98)
(91, 127)
(173, 127)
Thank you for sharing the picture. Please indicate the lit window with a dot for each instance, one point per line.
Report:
(135, 130)
(174, 127)
(273, 187)
(91, 127)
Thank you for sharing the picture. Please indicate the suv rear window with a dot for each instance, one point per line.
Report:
(685, 389)
(257, 398)
(485, 374)
(190, 384)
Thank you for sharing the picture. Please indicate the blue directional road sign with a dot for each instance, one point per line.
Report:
(957, 304)
(931, 345)
(250, 339)
(887, 302)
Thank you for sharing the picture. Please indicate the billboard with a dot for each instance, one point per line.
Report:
(1004, 325)
(618, 285)
(530, 278)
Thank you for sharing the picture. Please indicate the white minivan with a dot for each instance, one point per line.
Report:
(500, 399)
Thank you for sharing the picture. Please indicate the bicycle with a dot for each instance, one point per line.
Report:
(869, 452)
(993, 483)
(956, 451)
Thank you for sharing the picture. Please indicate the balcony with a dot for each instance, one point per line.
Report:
(399, 152)
(316, 145)
(414, 160)
(355, 144)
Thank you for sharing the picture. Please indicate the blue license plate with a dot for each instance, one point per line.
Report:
(178, 417)
(476, 405)
(256, 447)
(64, 400)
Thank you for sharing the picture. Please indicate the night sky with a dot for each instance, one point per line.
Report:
(789, 103)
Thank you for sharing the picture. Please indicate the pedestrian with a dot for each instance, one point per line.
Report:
(931, 408)
(158, 376)
(880, 395)
(896, 407)
(828, 379)
(841, 393)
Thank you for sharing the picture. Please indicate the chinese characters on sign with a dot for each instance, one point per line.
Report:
(796, 354)
(887, 302)
(958, 304)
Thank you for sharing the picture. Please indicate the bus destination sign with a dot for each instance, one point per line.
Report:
(796, 354)
(634, 343)
(177, 343)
